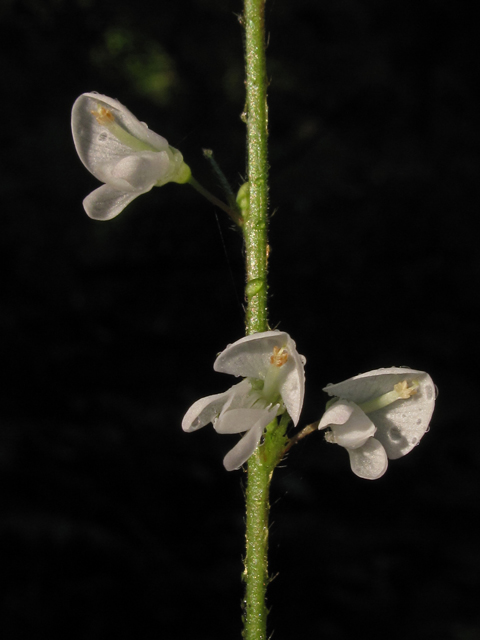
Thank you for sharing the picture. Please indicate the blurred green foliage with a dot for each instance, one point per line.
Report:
(141, 63)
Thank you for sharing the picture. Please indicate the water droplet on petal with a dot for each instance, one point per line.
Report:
(395, 434)
(414, 441)
(419, 421)
(102, 137)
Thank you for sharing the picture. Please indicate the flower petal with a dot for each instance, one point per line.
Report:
(401, 425)
(240, 420)
(105, 203)
(204, 411)
(125, 118)
(372, 384)
(337, 413)
(96, 144)
(293, 388)
(350, 426)
(249, 357)
(369, 461)
(137, 172)
(125, 180)
(247, 445)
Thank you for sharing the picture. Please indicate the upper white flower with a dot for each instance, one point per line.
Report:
(274, 383)
(395, 405)
(122, 152)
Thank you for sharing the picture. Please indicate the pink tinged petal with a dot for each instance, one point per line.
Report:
(247, 445)
(369, 461)
(105, 203)
(204, 411)
(249, 357)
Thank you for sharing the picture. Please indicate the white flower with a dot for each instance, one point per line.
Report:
(122, 152)
(395, 405)
(274, 383)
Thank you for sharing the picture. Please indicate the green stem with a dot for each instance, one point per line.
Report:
(255, 229)
(256, 557)
(256, 225)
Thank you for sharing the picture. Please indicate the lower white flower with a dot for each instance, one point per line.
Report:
(378, 415)
(274, 383)
(122, 152)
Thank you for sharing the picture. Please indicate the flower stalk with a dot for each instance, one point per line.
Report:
(232, 212)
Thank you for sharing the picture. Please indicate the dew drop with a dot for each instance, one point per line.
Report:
(102, 137)
(419, 421)
(395, 434)
(414, 441)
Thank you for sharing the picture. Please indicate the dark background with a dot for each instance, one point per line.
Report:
(114, 523)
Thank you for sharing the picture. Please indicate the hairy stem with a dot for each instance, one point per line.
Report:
(256, 225)
(255, 229)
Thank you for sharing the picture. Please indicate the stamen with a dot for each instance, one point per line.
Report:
(401, 391)
(404, 391)
(103, 116)
(279, 356)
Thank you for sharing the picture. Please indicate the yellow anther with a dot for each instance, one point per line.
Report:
(103, 116)
(404, 391)
(279, 356)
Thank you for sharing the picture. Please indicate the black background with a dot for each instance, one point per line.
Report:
(115, 523)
